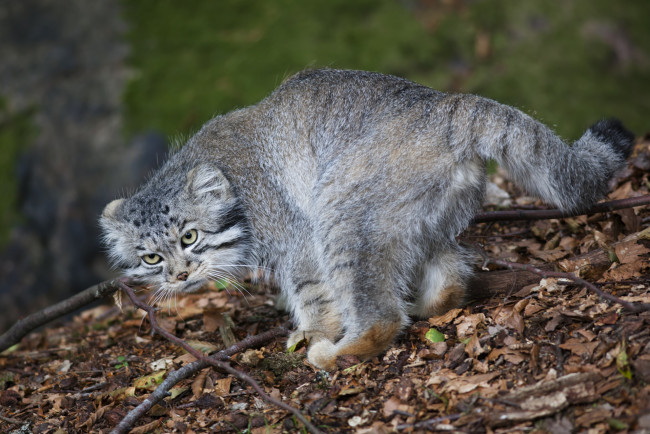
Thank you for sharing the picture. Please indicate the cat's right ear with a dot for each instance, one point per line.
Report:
(111, 208)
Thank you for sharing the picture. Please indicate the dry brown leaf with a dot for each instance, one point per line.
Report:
(551, 255)
(390, 405)
(468, 383)
(569, 243)
(513, 356)
(555, 320)
(634, 298)
(630, 251)
(507, 316)
(587, 334)
(435, 351)
(150, 427)
(532, 308)
(626, 271)
(213, 319)
(579, 348)
(623, 192)
(473, 347)
(467, 324)
(444, 319)
(94, 417)
(592, 416)
(199, 383)
(222, 386)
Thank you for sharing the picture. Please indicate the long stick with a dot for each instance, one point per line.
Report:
(539, 214)
(37, 319)
(636, 308)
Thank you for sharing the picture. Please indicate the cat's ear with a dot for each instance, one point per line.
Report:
(111, 208)
(207, 180)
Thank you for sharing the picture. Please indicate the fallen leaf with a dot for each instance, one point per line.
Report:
(579, 348)
(434, 335)
(390, 405)
(202, 346)
(151, 381)
(468, 383)
(436, 350)
(444, 319)
(622, 362)
(473, 348)
(222, 386)
(466, 325)
(199, 383)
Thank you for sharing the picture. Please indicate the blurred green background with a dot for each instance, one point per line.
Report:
(567, 63)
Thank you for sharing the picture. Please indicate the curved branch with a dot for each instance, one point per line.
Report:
(186, 371)
(538, 214)
(23, 326)
(212, 361)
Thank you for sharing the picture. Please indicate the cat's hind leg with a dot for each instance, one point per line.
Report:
(442, 282)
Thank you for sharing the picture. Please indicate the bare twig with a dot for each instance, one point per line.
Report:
(11, 420)
(186, 371)
(24, 326)
(429, 423)
(539, 214)
(125, 425)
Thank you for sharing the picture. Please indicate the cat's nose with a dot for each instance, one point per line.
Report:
(182, 276)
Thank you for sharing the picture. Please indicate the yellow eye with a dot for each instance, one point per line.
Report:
(190, 237)
(151, 259)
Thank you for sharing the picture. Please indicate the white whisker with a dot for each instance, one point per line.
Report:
(230, 279)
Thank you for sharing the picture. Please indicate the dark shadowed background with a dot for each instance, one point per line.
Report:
(92, 92)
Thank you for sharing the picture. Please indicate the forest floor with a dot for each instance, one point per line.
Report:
(549, 356)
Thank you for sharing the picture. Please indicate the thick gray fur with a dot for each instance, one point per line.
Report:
(351, 187)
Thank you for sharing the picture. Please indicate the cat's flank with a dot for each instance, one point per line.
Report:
(352, 187)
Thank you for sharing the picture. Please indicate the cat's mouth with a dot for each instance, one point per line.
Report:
(193, 285)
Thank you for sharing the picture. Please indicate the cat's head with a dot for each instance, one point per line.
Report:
(178, 231)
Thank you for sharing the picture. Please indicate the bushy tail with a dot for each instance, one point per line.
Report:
(570, 177)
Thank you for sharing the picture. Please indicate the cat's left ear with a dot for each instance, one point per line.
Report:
(208, 180)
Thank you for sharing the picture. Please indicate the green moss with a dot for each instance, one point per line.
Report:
(557, 61)
(16, 132)
(196, 59)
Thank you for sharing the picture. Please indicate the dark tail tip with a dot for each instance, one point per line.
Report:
(612, 132)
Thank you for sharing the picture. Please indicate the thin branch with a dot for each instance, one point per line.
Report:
(11, 420)
(429, 423)
(212, 361)
(23, 326)
(188, 370)
(539, 214)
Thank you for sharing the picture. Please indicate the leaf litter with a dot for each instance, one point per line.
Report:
(547, 356)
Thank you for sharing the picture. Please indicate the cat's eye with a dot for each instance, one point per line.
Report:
(190, 237)
(151, 259)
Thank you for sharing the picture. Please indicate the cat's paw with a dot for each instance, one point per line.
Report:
(300, 334)
(322, 354)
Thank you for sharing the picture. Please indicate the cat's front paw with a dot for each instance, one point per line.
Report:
(322, 354)
(310, 335)
(370, 342)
